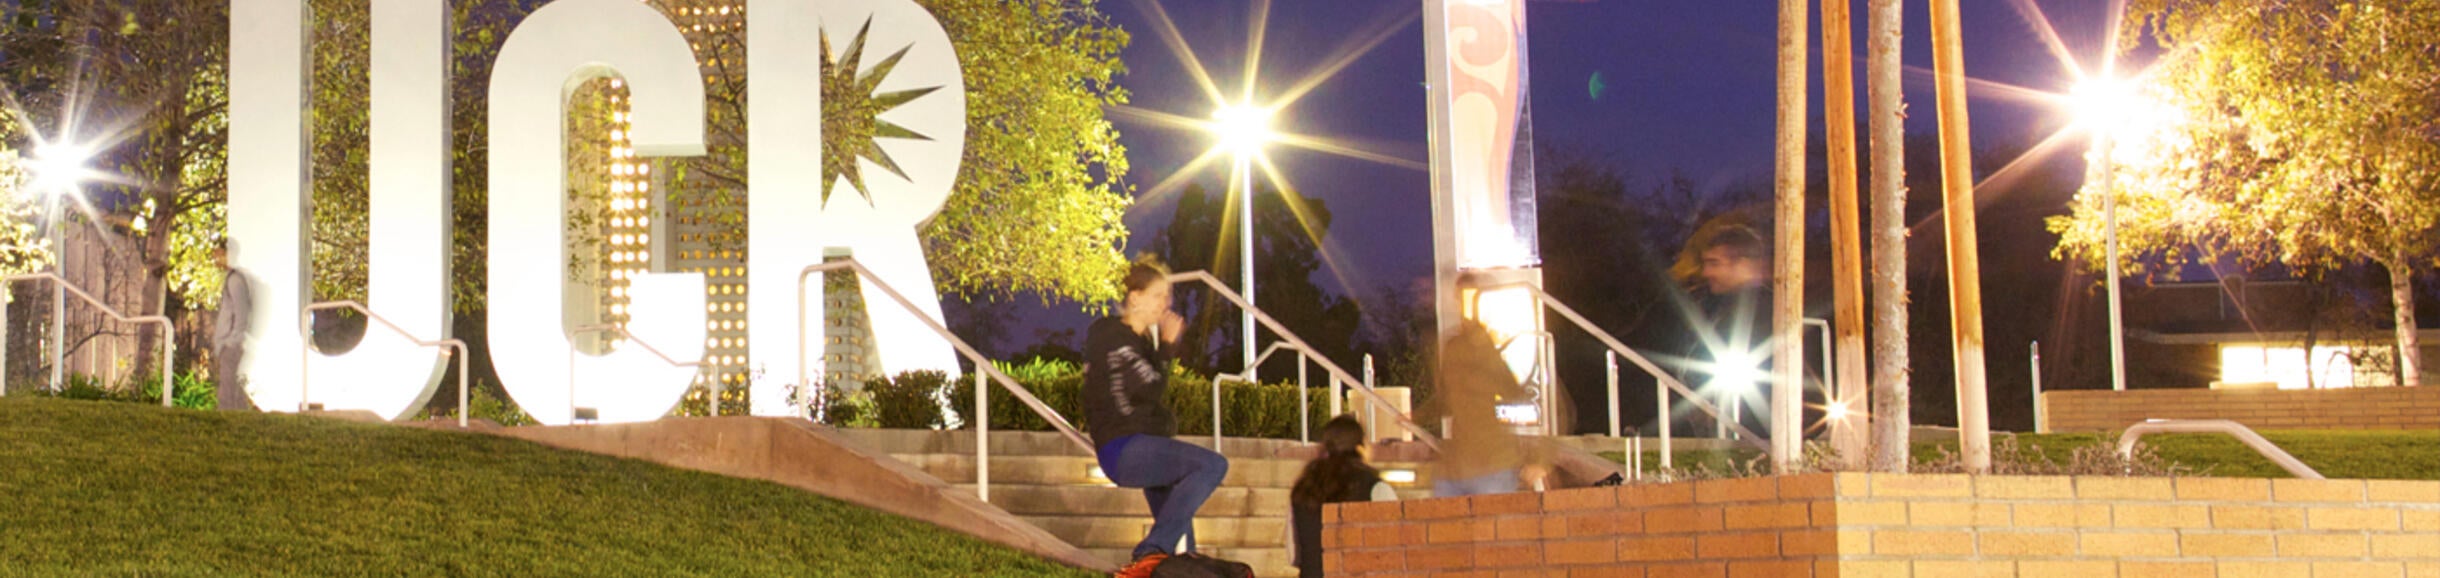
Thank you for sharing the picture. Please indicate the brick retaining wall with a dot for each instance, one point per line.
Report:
(1881, 525)
(2346, 408)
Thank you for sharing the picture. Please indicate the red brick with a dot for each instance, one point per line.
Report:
(1650, 549)
(1769, 569)
(1333, 562)
(1744, 545)
(1509, 503)
(1610, 571)
(1785, 515)
(1580, 499)
(1683, 520)
(1808, 486)
(1603, 524)
(1508, 555)
(1413, 534)
(1375, 561)
(1330, 513)
(1594, 551)
(1648, 495)
(1369, 511)
(1736, 490)
(1435, 509)
(1519, 528)
(1534, 573)
(1440, 557)
(1452, 532)
(1688, 570)
(1383, 536)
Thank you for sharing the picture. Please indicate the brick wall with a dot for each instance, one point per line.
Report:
(2349, 408)
(1879, 525)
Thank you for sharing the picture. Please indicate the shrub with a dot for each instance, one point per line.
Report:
(1247, 410)
(910, 400)
(846, 409)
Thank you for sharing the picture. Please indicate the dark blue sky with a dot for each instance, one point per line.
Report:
(1689, 88)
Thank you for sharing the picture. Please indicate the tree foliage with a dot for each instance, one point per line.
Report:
(1037, 206)
(2299, 132)
(1289, 229)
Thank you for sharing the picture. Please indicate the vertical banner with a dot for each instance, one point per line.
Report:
(1483, 131)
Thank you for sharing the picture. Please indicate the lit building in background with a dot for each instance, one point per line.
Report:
(2206, 330)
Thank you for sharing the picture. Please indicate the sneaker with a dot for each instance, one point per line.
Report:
(1142, 567)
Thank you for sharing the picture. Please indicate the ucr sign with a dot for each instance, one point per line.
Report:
(554, 50)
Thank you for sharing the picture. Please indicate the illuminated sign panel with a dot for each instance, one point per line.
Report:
(553, 51)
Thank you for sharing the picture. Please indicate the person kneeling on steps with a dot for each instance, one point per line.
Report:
(1126, 379)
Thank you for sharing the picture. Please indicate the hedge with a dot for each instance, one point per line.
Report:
(913, 400)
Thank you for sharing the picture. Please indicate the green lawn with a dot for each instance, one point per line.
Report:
(127, 489)
(2387, 454)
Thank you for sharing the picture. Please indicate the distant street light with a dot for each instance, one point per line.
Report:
(2105, 106)
(1243, 130)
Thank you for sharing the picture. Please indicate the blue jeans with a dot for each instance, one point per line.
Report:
(1176, 478)
(1499, 482)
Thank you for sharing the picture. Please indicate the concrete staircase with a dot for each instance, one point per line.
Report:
(1048, 482)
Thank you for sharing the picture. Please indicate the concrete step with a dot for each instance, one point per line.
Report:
(1043, 500)
(1014, 443)
(1078, 470)
(1267, 562)
(1126, 531)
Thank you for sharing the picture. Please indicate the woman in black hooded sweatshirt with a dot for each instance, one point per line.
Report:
(1126, 378)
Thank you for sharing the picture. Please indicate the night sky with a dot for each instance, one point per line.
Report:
(1688, 87)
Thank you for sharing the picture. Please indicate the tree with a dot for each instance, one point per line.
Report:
(1288, 232)
(1886, 123)
(2299, 132)
(159, 70)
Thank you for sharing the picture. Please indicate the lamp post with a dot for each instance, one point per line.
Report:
(1243, 129)
(59, 170)
(2102, 105)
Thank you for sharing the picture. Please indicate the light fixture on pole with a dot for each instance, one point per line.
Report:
(1243, 130)
(59, 171)
(2105, 105)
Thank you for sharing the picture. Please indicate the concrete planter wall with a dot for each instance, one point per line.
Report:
(2348, 408)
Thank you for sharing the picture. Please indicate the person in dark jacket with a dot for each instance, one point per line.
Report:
(1125, 381)
(1339, 475)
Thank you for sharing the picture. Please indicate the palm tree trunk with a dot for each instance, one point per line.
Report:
(1886, 120)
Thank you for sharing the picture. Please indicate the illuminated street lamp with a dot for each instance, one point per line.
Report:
(2105, 106)
(1243, 130)
(59, 170)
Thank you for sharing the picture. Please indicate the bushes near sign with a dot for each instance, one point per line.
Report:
(1248, 410)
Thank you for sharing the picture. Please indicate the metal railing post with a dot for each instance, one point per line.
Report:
(1216, 410)
(1666, 415)
(1372, 409)
(982, 437)
(1610, 359)
(1304, 402)
(59, 334)
(445, 345)
(2039, 425)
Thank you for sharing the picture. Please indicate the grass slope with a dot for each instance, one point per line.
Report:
(125, 489)
(2368, 454)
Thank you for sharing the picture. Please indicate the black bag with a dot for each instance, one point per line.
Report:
(1191, 565)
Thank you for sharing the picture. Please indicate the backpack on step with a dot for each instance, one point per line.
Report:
(1193, 565)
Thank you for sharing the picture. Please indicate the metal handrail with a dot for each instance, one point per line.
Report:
(621, 330)
(2126, 442)
(1336, 373)
(444, 345)
(1662, 377)
(1302, 405)
(981, 363)
(60, 287)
